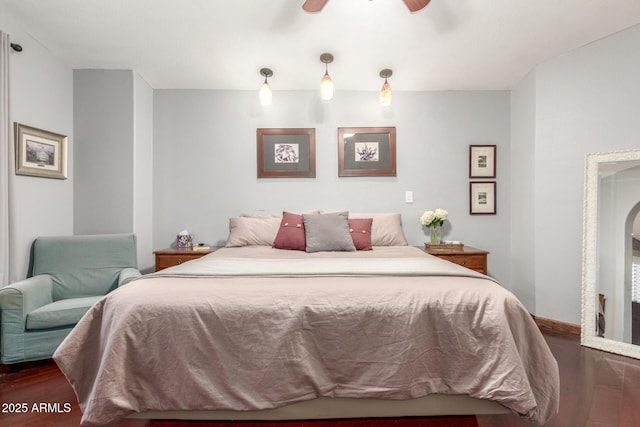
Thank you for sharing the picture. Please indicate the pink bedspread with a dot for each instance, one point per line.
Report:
(221, 333)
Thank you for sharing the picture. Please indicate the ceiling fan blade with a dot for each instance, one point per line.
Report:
(416, 5)
(313, 6)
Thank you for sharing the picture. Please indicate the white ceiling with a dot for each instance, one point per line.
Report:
(222, 44)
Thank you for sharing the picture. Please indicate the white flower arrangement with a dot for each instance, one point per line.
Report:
(434, 218)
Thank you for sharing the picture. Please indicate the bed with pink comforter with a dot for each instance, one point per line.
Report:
(253, 328)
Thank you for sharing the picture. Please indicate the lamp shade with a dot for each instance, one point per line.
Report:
(326, 87)
(326, 84)
(265, 90)
(265, 94)
(386, 95)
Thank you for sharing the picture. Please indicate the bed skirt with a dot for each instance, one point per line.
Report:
(327, 408)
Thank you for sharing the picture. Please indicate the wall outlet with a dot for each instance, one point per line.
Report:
(408, 196)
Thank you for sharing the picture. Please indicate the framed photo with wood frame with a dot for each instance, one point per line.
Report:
(286, 153)
(367, 151)
(40, 153)
(482, 198)
(482, 161)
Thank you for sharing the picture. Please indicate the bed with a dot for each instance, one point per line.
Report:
(257, 332)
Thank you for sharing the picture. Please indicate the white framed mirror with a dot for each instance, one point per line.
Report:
(611, 253)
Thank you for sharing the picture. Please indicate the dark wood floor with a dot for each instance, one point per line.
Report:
(598, 389)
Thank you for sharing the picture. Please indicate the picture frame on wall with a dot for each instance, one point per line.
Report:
(367, 151)
(482, 161)
(286, 152)
(482, 198)
(40, 153)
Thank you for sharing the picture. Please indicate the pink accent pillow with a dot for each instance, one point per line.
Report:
(291, 233)
(360, 229)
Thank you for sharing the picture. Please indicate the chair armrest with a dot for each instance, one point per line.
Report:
(25, 296)
(29, 294)
(127, 275)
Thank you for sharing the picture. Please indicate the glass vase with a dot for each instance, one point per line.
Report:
(436, 233)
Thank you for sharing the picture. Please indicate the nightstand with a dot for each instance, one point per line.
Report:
(169, 257)
(472, 258)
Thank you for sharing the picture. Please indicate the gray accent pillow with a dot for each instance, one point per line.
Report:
(328, 232)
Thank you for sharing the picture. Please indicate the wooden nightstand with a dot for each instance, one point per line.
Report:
(472, 258)
(169, 257)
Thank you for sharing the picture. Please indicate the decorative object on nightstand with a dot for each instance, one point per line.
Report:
(170, 257)
(443, 246)
(466, 256)
(201, 247)
(184, 240)
(434, 221)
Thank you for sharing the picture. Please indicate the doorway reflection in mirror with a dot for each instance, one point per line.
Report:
(611, 286)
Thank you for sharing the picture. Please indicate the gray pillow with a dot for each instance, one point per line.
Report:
(328, 232)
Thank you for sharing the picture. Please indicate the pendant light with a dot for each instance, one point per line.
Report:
(326, 84)
(265, 90)
(386, 95)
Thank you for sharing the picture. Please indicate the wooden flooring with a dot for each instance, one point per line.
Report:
(598, 389)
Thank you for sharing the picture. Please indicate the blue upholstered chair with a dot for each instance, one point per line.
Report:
(69, 275)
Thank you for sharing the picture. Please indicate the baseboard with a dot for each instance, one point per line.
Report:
(20, 366)
(564, 328)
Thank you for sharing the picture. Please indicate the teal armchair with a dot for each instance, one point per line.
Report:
(69, 275)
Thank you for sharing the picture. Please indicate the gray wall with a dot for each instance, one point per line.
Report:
(585, 101)
(103, 128)
(114, 138)
(41, 95)
(205, 161)
(143, 171)
(523, 133)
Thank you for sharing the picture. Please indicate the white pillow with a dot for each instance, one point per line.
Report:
(254, 230)
(386, 228)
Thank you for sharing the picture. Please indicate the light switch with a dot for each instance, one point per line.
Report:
(408, 196)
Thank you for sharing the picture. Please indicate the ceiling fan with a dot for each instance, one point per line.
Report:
(312, 6)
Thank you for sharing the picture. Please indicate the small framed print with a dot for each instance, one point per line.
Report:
(367, 151)
(286, 153)
(482, 161)
(482, 198)
(40, 153)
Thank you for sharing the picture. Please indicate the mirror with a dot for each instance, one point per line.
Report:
(611, 253)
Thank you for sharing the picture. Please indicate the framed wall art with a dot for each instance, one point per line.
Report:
(286, 153)
(40, 153)
(482, 198)
(367, 151)
(482, 161)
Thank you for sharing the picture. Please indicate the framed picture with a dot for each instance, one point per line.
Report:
(40, 153)
(482, 198)
(482, 161)
(287, 153)
(367, 151)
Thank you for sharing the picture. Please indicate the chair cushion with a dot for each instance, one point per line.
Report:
(66, 312)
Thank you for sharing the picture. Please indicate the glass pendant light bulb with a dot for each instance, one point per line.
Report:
(326, 84)
(386, 95)
(265, 90)
(326, 87)
(265, 94)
